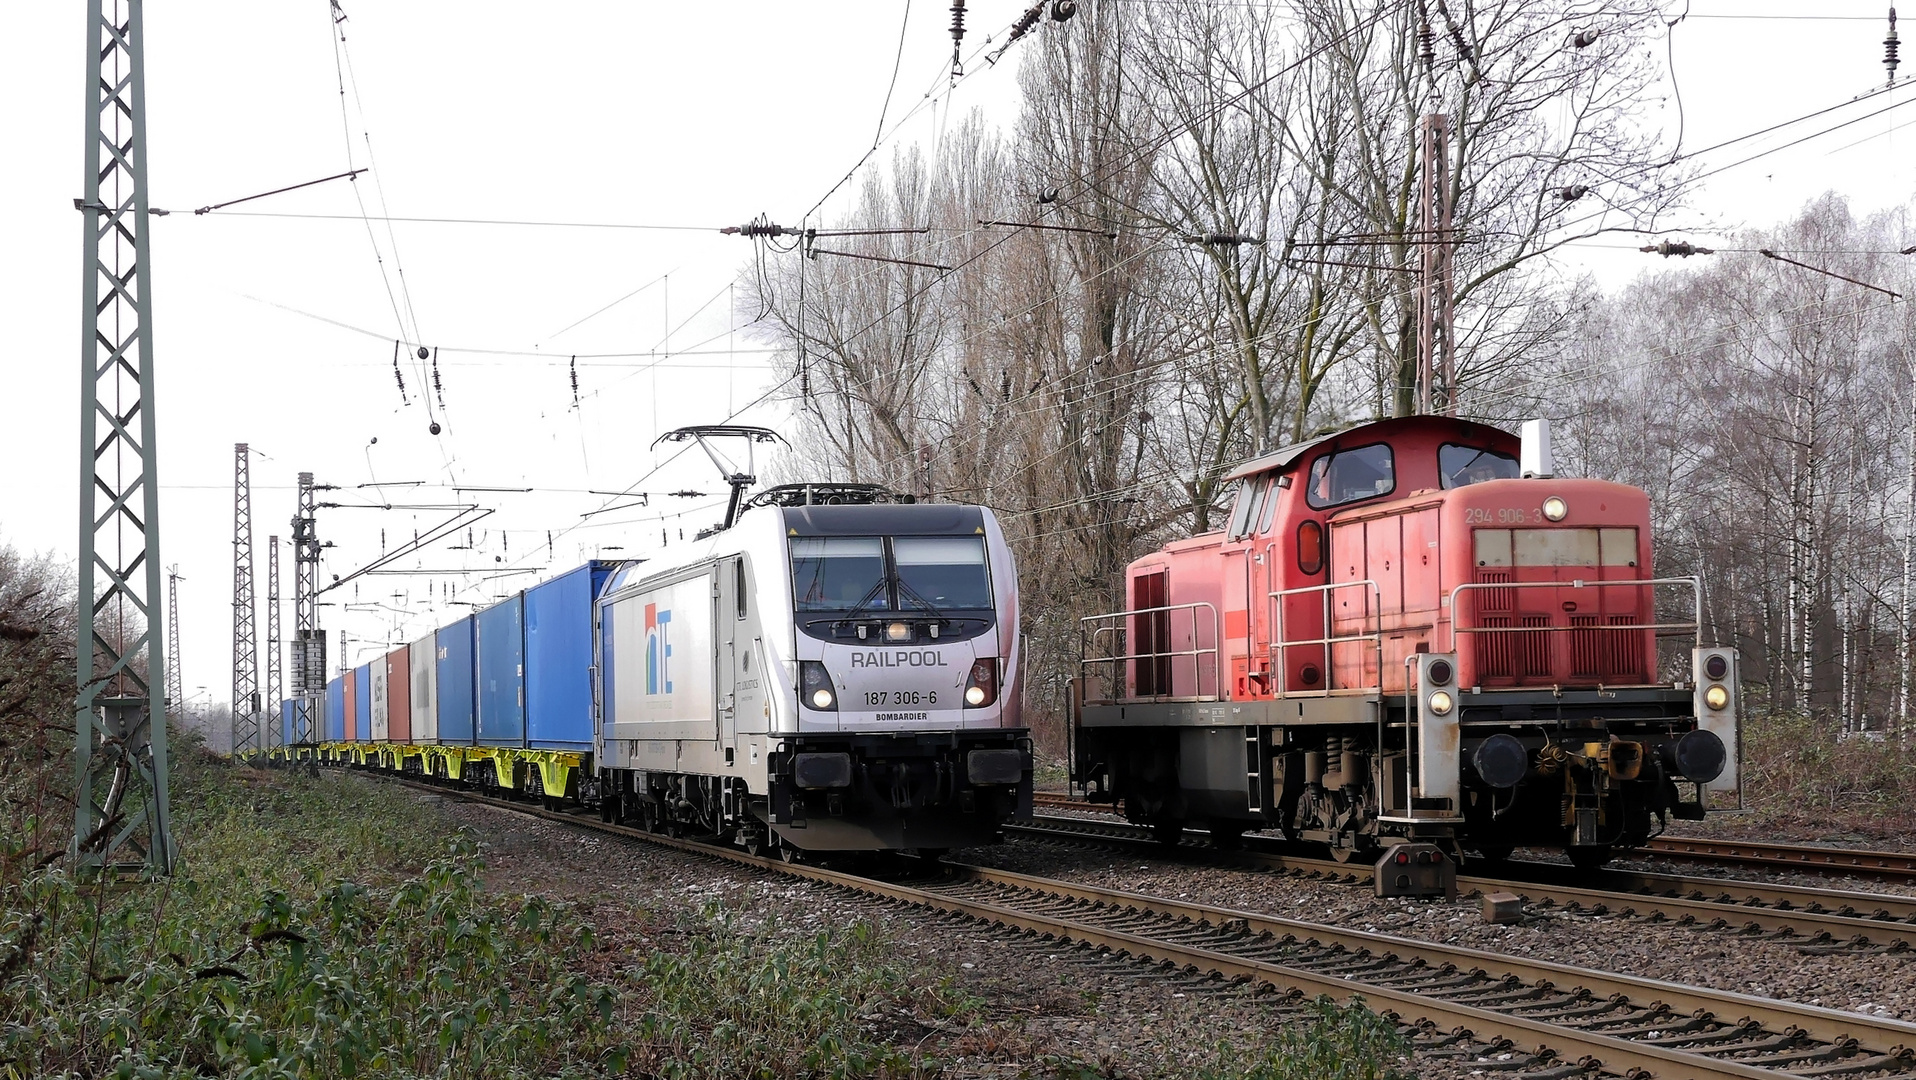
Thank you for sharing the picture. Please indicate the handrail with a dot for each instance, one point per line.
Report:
(1196, 652)
(1696, 596)
(1279, 643)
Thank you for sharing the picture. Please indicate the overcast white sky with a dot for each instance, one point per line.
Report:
(278, 331)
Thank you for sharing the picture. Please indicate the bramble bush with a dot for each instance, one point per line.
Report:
(1797, 767)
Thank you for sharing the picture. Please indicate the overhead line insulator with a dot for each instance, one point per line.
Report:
(1682, 248)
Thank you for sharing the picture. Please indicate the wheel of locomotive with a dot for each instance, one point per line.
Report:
(1362, 853)
(649, 816)
(1589, 858)
(1227, 835)
(787, 853)
(609, 808)
(1167, 831)
(754, 840)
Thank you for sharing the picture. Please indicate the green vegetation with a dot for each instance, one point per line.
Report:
(330, 927)
(1344, 1042)
(263, 960)
(1798, 769)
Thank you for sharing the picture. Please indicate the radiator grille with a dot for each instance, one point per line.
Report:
(1493, 599)
(1533, 650)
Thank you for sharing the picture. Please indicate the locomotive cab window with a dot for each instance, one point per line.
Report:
(1349, 476)
(1256, 503)
(839, 573)
(942, 573)
(1460, 466)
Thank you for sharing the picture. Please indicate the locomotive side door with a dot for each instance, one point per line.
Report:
(728, 601)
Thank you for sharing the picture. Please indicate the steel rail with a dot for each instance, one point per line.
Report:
(1814, 914)
(1855, 1043)
(1886, 865)
(1892, 1038)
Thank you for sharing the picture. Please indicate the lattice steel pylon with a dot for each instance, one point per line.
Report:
(246, 727)
(175, 692)
(121, 819)
(1436, 352)
(274, 689)
(308, 667)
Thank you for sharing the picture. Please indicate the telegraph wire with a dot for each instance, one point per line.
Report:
(337, 35)
(404, 220)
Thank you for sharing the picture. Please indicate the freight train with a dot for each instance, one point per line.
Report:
(1410, 632)
(838, 670)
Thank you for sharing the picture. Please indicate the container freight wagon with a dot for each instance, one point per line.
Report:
(381, 718)
(453, 682)
(558, 658)
(362, 704)
(424, 665)
(501, 673)
(349, 694)
(336, 710)
(399, 695)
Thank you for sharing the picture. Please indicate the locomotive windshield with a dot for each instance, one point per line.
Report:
(839, 573)
(922, 573)
(943, 572)
(1458, 466)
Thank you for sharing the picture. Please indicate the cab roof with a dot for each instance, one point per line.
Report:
(1281, 459)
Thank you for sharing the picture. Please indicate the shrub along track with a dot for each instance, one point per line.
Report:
(1815, 920)
(1569, 1021)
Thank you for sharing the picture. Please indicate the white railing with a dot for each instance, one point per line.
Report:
(1279, 642)
(1116, 624)
(1693, 628)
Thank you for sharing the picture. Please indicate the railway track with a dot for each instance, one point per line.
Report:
(1564, 1021)
(1893, 866)
(1812, 919)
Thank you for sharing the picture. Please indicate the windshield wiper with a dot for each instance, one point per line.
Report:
(877, 587)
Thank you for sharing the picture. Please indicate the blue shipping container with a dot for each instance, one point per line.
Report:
(453, 653)
(286, 712)
(501, 673)
(559, 658)
(363, 702)
(336, 710)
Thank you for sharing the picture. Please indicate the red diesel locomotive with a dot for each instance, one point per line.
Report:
(1410, 631)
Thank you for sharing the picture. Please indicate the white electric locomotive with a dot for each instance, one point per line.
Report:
(834, 671)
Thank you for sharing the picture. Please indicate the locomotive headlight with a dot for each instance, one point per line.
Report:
(1554, 508)
(898, 631)
(815, 686)
(1716, 697)
(1440, 703)
(981, 685)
